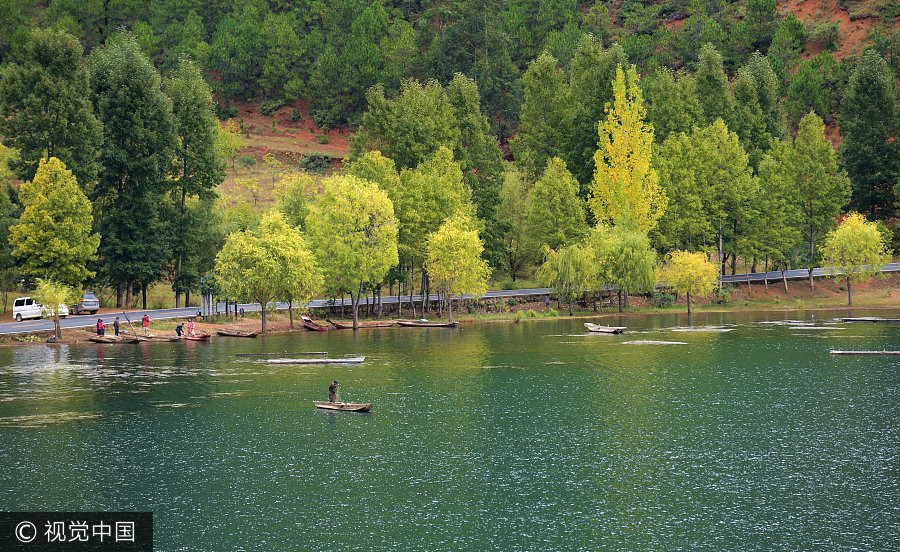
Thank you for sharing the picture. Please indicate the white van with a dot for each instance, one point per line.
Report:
(26, 307)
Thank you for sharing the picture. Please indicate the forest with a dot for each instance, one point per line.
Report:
(560, 135)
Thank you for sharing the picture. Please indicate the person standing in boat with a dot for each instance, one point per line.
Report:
(333, 390)
(116, 326)
(190, 327)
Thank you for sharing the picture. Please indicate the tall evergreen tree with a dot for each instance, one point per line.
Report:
(136, 158)
(713, 88)
(45, 107)
(672, 103)
(198, 166)
(870, 121)
(554, 214)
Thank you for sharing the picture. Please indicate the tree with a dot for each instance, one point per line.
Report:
(857, 249)
(762, 20)
(271, 263)
(821, 188)
(45, 108)
(198, 164)
(626, 188)
(672, 103)
(869, 121)
(545, 118)
(354, 235)
(813, 87)
(787, 43)
(554, 214)
(690, 274)
(51, 296)
(512, 218)
(53, 238)
(569, 271)
(409, 127)
(454, 260)
(230, 140)
(139, 145)
(713, 88)
(293, 193)
(632, 262)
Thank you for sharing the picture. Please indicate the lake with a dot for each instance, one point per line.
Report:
(743, 435)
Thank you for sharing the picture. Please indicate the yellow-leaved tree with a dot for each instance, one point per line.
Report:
(690, 274)
(626, 190)
(453, 259)
(856, 248)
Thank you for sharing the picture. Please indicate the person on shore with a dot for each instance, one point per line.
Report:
(333, 390)
(116, 326)
(190, 327)
(145, 324)
(179, 329)
(101, 327)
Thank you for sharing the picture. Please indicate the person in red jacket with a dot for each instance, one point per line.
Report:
(101, 327)
(145, 324)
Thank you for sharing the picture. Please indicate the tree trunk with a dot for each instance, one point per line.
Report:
(784, 279)
(721, 260)
(449, 308)
(187, 298)
(689, 302)
(753, 266)
(620, 300)
(291, 312)
(57, 331)
(144, 296)
(812, 254)
(412, 275)
(118, 295)
(129, 295)
(379, 303)
(849, 294)
(354, 300)
(263, 311)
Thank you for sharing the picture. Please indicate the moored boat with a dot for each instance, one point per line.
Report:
(426, 324)
(344, 360)
(157, 338)
(113, 339)
(344, 407)
(604, 329)
(367, 324)
(226, 332)
(311, 325)
(198, 337)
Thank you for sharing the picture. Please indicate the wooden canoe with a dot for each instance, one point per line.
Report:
(199, 337)
(235, 333)
(367, 324)
(870, 319)
(345, 360)
(604, 329)
(344, 407)
(157, 338)
(309, 324)
(113, 339)
(865, 352)
(426, 324)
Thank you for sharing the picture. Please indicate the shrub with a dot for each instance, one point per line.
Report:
(247, 161)
(296, 115)
(512, 302)
(825, 34)
(518, 317)
(225, 112)
(662, 300)
(531, 313)
(269, 107)
(552, 312)
(322, 139)
(324, 119)
(724, 295)
(315, 163)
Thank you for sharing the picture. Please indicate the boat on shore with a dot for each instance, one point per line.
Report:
(344, 360)
(198, 337)
(311, 325)
(604, 329)
(367, 324)
(226, 332)
(426, 324)
(344, 407)
(113, 339)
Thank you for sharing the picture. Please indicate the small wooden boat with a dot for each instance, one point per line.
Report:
(367, 324)
(865, 352)
(309, 353)
(344, 407)
(870, 319)
(198, 337)
(345, 360)
(426, 324)
(157, 338)
(113, 339)
(604, 329)
(225, 332)
(309, 324)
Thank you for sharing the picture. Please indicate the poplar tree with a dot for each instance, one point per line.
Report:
(353, 233)
(554, 214)
(546, 116)
(857, 248)
(454, 262)
(689, 274)
(626, 187)
(512, 217)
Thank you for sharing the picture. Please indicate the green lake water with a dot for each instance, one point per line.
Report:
(498, 436)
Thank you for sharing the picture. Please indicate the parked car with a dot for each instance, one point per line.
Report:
(26, 307)
(88, 303)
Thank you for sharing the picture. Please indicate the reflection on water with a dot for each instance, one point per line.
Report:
(538, 435)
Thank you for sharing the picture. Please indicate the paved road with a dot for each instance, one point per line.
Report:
(83, 321)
